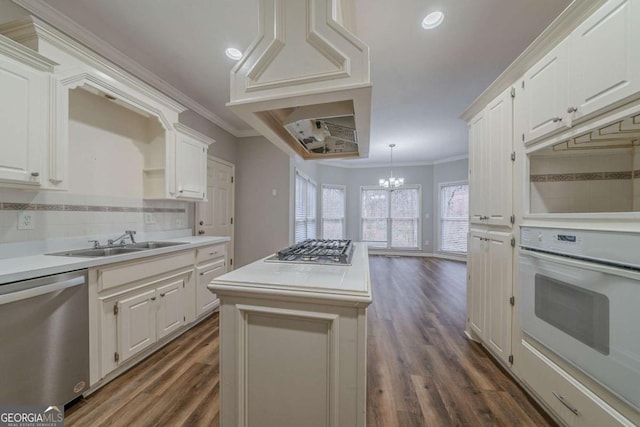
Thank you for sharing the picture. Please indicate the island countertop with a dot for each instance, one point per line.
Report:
(339, 283)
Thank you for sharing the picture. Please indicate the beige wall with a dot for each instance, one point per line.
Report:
(262, 219)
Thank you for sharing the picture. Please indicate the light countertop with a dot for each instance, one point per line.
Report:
(28, 267)
(314, 281)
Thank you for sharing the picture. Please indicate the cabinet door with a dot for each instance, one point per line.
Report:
(476, 289)
(605, 57)
(191, 168)
(477, 175)
(497, 162)
(170, 307)
(499, 289)
(206, 300)
(546, 94)
(136, 323)
(23, 102)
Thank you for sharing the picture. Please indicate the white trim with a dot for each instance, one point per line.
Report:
(345, 165)
(438, 197)
(449, 257)
(89, 39)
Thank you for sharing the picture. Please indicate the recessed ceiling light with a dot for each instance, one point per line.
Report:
(432, 20)
(233, 53)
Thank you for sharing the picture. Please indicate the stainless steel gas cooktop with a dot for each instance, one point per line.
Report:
(316, 251)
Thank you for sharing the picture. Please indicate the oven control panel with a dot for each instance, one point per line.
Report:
(609, 246)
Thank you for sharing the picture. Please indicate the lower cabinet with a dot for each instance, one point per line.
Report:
(211, 262)
(490, 290)
(562, 394)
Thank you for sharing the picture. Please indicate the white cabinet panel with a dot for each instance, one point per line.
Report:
(604, 57)
(477, 177)
(23, 106)
(136, 323)
(476, 297)
(499, 175)
(499, 289)
(170, 299)
(205, 299)
(191, 168)
(546, 94)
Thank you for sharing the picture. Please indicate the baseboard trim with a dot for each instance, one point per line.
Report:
(450, 257)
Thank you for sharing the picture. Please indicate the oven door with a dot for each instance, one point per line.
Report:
(586, 313)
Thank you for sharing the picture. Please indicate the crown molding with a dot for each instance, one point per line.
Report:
(344, 165)
(560, 28)
(25, 55)
(451, 159)
(74, 30)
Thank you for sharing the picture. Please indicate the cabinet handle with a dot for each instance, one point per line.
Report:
(572, 110)
(200, 231)
(153, 298)
(556, 119)
(565, 403)
(35, 174)
(202, 273)
(213, 253)
(162, 295)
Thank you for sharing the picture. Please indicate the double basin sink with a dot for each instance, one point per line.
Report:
(117, 250)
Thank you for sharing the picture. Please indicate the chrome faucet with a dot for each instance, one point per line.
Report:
(120, 240)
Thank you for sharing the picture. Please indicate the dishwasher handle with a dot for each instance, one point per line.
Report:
(41, 290)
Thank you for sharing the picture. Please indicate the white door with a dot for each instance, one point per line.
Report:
(499, 289)
(22, 120)
(171, 314)
(605, 57)
(498, 192)
(476, 290)
(546, 93)
(477, 175)
(136, 323)
(205, 299)
(214, 217)
(191, 165)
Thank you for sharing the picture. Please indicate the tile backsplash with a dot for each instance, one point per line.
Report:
(592, 182)
(65, 215)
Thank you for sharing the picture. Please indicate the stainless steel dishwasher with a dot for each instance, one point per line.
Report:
(44, 340)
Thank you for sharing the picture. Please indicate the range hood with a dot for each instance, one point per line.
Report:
(304, 82)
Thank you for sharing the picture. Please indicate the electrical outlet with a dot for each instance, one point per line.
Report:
(180, 223)
(150, 218)
(426, 242)
(26, 220)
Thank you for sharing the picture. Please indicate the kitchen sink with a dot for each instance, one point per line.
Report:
(102, 252)
(98, 252)
(154, 245)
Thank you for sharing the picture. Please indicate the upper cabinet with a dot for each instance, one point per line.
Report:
(604, 58)
(491, 165)
(35, 114)
(596, 67)
(24, 106)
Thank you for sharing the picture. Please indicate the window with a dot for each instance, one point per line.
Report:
(454, 217)
(391, 217)
(305, 203)
(333, 208)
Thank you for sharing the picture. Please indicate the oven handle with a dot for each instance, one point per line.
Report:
(616, 271)
(40, 290)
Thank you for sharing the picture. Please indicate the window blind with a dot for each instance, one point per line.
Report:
(454, 217)
(333, 211)
(390, 218)
(305, 208)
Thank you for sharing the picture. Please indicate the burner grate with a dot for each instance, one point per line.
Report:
(319, 250)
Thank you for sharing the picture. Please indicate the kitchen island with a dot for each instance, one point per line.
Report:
(293, 343)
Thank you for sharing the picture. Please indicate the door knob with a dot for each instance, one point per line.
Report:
(572, 110)
(201, 222)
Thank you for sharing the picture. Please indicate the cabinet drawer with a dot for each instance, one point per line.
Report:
(120, 274)
(575, 404)
(209, 253)
(205, 299)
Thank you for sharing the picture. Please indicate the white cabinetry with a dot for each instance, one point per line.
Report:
(597, 67)
(570, 400)
(546, 93)
(24, 105)
(604, 58)
(491, 171)
(191, 163)
(211, 262)
(491, 289)
(136, 323)
(171, 306)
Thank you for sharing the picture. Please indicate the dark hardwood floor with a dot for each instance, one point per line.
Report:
(422, 371)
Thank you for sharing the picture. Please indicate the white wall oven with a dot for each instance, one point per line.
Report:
(580, 298)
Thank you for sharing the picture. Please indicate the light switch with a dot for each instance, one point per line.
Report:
(26, 220)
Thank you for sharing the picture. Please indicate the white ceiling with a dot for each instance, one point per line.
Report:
(422, 80)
